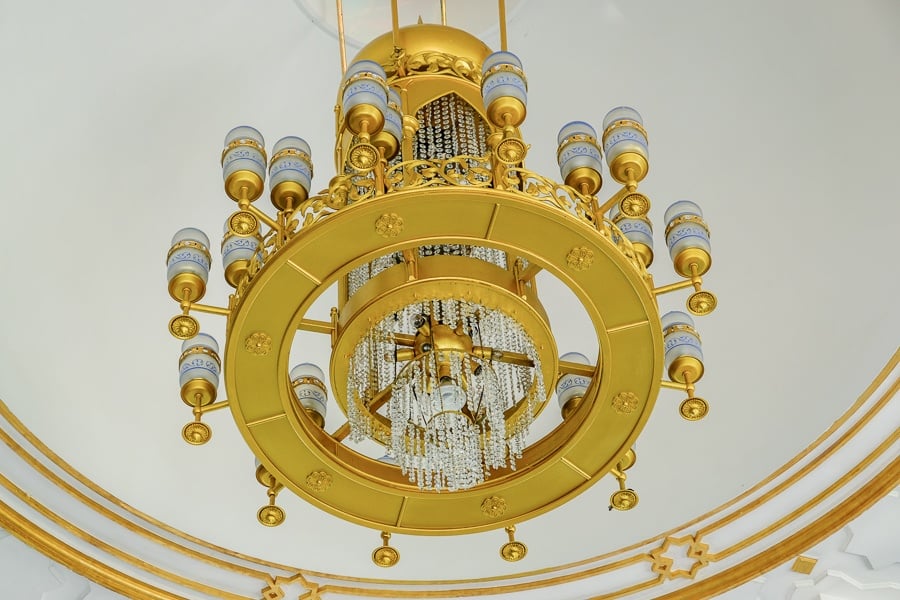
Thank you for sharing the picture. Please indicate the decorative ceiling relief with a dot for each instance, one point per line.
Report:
(680, 557)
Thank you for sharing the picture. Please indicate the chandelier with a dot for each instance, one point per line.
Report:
(431, 237)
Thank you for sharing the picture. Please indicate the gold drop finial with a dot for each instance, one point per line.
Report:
(624, 498)
(269, 515)
(385, 556)
(196, 433)
(512, 550)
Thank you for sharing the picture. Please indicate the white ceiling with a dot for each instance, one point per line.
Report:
(779, 119)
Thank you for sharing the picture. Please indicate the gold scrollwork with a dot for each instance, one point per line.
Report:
(544, 189)
(433, 62)
(319, 481)
(464, 171)
(493, 507)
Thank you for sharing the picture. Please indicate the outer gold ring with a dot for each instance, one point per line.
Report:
(619, 304)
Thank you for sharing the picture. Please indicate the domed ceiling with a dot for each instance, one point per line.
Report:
(779, 119)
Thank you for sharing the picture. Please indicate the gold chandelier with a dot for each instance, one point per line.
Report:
(433, 233)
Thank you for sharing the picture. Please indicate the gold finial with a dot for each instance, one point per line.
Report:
(512, 550)
(196, 433)
(269, 515)
(385, 556)
(693, 408)
(624, 498)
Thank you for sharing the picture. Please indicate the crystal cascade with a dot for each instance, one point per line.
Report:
(447, 408)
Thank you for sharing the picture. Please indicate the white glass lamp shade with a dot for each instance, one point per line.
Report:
(622, 113)
(687, 235)
(244, 151)
(623, 132)
(291, 162)
(198, 368)
(577, 149)
(680, 339)
(393, 119)
(364, 84)
(503, 80)
(638, 230)
(307, 380)
(237, 250)
(189, 254)
(238, 247)
(187, 265)
(570, 386)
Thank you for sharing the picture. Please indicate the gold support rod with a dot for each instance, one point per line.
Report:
(211, 407)
(316, 326)
(616, 198)
(664, 289)
(341, 432)
(341, 40)
(272, 223)
(443, 12)
(673, 385)
(395, 23)
(573, 368)
(213, 310)
(530, 272)
(502, 6)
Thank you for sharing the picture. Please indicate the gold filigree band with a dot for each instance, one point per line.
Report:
(695, 219)
(621, 124)
(249, 143)
(200, 350)
(507, 68)
(308, 380)
(189, 244)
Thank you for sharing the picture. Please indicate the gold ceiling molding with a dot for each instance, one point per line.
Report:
(77, 561)
(862, 498)
(109, 549)
(807, 537)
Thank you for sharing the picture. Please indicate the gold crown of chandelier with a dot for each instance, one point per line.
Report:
(433, 234)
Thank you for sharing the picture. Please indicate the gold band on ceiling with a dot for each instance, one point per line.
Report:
(118, 519)
(104, 547)
(848, 510)
(77, 561)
